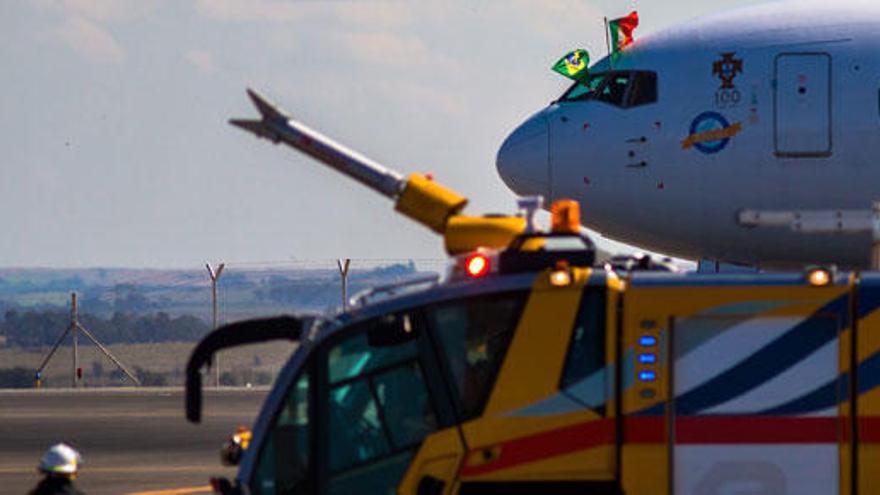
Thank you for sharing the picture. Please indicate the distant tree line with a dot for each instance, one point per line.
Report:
(133, 313)
(321, 292)
(36, 328)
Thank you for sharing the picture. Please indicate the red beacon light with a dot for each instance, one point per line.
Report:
(477, 265)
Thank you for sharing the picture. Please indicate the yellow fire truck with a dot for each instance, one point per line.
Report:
(529, 370)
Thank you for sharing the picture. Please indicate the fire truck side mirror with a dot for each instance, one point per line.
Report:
(232, 335)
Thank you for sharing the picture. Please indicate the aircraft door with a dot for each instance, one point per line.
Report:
(803, 105)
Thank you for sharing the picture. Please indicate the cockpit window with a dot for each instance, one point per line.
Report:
(643, 90)
(583, 91)
(614, 90)
(624, 89)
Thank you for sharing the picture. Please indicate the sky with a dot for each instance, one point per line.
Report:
(116, 151)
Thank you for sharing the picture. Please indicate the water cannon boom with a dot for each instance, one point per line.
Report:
(416, 196)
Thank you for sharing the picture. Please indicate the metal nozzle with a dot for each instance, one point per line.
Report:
(277, 125)
(530, 205)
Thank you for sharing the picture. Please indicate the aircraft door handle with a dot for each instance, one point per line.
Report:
(430, 485)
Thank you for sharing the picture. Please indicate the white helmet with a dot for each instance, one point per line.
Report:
(60, 459)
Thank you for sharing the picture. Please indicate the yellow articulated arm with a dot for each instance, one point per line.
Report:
(465, 234)
(417, 197)
(437, 207)
(429, 203)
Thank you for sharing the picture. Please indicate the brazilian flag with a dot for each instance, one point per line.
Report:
(574, 65)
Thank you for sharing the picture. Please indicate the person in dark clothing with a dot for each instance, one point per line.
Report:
(56, 485)
(59, 465)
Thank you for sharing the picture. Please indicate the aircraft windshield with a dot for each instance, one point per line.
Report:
(622, 89)
(583, 91)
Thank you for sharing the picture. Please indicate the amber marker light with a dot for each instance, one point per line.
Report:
(561, 275)
(819, 277)
(476, 265)
(565, 216)
(560, 278)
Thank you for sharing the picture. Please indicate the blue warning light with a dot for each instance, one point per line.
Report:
(647, 358)
(647, 376)
(647, 340)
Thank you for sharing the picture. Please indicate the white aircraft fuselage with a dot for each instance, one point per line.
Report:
(769, 108)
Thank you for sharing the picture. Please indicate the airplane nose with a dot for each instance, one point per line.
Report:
(523, 159)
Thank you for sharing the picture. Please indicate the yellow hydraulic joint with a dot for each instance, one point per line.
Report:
(418, 197)
(429, 203)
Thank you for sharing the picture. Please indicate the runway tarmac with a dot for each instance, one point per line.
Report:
(132, 440)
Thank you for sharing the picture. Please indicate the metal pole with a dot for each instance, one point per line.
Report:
(108, 353)
(215, 274)
(608, 44)
(57, 344)
(343, 273)
(214, 327)
(73, 327)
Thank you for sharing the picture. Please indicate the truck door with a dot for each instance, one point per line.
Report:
(384, 397)
(756, 404)
(470, 336)
(803, 105)
(867, 384)
(286, 462)
(534, 386)
(357, 415)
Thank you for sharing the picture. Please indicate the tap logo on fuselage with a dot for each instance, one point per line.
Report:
(710, 133)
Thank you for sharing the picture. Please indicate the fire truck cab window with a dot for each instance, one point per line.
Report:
(378, 406)
(284, 465)
(356, 355)
(473, 336)
(584, 376)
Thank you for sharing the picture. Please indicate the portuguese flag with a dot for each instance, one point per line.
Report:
(622, 31)
(574, 65)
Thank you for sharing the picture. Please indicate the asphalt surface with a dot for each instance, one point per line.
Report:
(132, 440)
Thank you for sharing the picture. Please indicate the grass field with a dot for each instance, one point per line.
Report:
(246, 364)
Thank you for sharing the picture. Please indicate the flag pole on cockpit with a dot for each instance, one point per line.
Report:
(608, 43)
